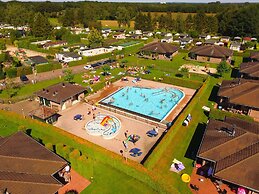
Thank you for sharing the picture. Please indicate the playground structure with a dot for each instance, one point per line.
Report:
(103, 125)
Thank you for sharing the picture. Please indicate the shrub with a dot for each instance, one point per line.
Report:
(49, 146)
(59, 149)
(74, 154)
(22, 128)
(71, 192)
(48, 67)
(11, 72)
(223, 67)
(66, 151)
(24, 70)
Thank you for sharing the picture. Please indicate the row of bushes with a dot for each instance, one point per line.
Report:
(220, 115)
(48, 67)
(16, 72)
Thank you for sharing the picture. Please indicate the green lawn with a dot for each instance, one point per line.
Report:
(54, 22)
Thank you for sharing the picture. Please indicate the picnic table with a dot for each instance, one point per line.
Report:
(152, 133)
(135, 152)
(78, 117)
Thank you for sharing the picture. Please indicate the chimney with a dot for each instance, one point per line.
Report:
(63, 85)
(43, 90)
(47, 91)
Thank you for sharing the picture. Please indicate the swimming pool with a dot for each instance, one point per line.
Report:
(154, 103)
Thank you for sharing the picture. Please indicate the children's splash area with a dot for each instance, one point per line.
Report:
(106, 126)
(153, 103)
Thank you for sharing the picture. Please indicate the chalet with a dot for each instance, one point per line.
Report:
(98, 51)
(235, 46)
(37, 60)
(249, 70)
(119, 36)
(204, 36)
(254, 56)
(61, 96)
(159, 50)
(182, 35)
(185, 41)
(106, 30)
(237, 38)
(247, 39)
(29, 167)
(239, 95)
(148, 34)
(211, 53)
(168, 39)
(54, 44)
(229, 152)
(225, 39)
(67, 57)
(210, 42)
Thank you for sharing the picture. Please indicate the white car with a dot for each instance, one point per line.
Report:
(88, 67)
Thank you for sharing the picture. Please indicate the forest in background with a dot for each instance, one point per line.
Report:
(217, 18)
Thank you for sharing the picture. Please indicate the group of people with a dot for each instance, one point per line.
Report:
(90, 111)
(65, 173)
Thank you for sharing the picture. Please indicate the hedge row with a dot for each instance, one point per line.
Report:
(220, 115)
(48, 67)
(18, 71)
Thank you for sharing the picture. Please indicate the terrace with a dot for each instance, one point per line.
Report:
(134, 123)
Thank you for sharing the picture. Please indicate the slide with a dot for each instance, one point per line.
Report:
(105, 120)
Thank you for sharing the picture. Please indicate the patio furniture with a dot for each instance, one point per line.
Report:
(186, 178)
(78, 117)
(135, 152)
(152, 133)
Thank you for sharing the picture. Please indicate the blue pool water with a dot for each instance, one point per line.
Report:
(152, 102)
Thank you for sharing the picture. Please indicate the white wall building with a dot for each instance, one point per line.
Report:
(98, 51)
(68, 57)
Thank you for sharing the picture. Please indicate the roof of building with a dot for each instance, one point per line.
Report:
(233, 154)
(38, 60)
(160, 47)
(241, 92)
(43, 112)
(27, 166)
(254, 55)
(212, 51)
(71, 54)
(60, 92)
(235, 44)
(49, 44)
(250, 68)
(210, 41)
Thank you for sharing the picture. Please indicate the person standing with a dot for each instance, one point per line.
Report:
(126, 133)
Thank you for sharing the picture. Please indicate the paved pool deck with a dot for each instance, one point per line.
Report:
(138, 127)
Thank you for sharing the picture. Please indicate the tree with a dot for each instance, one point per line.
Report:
(179, 24)
(2, 46)
(212, 23)
(40, 26)
(144, 22)
(14, 35)
(68, 75)
(189, 22)
(223, 68)
(200, 22)
(95, 38)
(123, 16)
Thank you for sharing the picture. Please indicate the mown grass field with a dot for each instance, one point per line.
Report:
(174, 14)
(113, 24)
(54, 22)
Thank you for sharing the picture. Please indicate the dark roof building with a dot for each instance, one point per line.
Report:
(249, 70)
(37, 60)
(45, 114)
(231, 147)
(254, 56)
(211, 53)
(27, 166)
(60, 96)
(160, 47)
(240, 92)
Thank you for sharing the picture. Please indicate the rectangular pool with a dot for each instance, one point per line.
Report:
(154, 103)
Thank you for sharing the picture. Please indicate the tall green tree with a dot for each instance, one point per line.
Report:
(144, 22)
(180, 26)
(223, 68)
(68, 75)
(123, 16)
(212, 23)
(95, 38)
(40, 26)
(189, 22)
(200, 22)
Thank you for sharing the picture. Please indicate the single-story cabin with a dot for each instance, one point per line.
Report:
(235, 46)
(119, 36)
(54, 44)
(29, 167)
(67, 57)
(210, 42)
(249, 70)
(37, 60)
(98, 51)
(61, 96)
(45, 114)
(239, 95)
(254, 56)
(159, 50)
(211, 53)
(229, 152)
(225, 39)
(168, 39)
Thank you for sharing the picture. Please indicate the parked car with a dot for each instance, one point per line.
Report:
(24, 78)
(88, 67)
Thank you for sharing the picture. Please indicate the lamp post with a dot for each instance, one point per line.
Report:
(23, 113)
